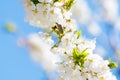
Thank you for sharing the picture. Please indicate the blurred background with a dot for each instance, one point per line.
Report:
(98, 19)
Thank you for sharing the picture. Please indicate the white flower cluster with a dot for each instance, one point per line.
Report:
(90, 67)
(72, 55)
(40, 12)
(40, 46)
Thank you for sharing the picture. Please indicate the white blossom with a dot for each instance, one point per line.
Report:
(95, 68)
(41, 14)
(72, 55)
(39, 46)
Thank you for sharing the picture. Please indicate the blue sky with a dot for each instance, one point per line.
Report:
(15, 63)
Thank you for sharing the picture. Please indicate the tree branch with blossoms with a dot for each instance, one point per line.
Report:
(71, 55)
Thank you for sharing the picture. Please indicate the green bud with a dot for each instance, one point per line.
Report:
(10, 27)
(112, 65)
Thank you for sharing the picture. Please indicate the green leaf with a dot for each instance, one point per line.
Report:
(78, 33)
(112, 65)
(68, 4)
(79, 57)
(83, 51)
(75, 52)
(109, 60)
(56, 1)
(84, 54)
(35, 2)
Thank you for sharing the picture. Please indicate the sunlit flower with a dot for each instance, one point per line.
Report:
(71, 55)
(39, 47)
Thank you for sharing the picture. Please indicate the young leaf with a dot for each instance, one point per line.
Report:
(109, 60)
(78, 33)
(113, 65)
(35, 2)
(68, 4)
(79, 57)
(56, 1)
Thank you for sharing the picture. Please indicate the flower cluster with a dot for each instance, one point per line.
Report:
(71, 55)
(40, 12)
